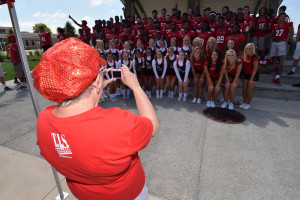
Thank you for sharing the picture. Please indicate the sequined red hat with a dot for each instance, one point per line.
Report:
(66, 69)
(11, 36)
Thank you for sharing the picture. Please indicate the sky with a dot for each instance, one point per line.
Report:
(55, 13)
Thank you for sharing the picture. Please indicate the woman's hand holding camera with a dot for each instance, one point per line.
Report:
(129, 78)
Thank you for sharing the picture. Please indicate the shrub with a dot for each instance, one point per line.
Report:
(30, 53)
(37, 53)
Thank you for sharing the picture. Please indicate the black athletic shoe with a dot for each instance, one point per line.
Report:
(23, 88)
(17, 82)
(291, 73)
(7, 89)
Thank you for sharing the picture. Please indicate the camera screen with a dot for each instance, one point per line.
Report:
(117, 74)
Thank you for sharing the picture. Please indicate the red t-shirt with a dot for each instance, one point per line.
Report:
(220, 36)
(13, 51)
(117, 37)
(239, 38)
(281, 31)
(45, 38)
(233, 69)
(62, 37)
(248, 65)
(198, 65)
(182, 34)
(97, 151)
(212, 71)
(261, 23)
(86, 31)
(171, 35)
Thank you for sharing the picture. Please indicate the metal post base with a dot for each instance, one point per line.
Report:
(65, 196)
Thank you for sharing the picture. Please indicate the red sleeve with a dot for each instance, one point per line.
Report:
(240, 62)
(255, 59)
(243, 38)
(141, 131)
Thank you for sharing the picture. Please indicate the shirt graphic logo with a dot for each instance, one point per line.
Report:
(61, 145)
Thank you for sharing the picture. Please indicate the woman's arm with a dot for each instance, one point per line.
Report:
(165, 68)
(143, 104)
(254, 70)
(187, 71)
(177, 72)
(208, 79)
(221, 76)
(154, 69)
(238, 71)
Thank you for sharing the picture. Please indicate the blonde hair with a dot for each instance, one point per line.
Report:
(253, 50)
(187, 37)
(215, 43)
(98, 42)
(192, 58)
(200, 42)
(235, 59)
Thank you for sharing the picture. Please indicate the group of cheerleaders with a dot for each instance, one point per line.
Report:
(169, 69)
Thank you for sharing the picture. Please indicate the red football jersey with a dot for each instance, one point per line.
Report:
(178, 21)
(182, 34)
(248, 19)
(220, 36)
(162, 20)
(213, 26)
(204, 37)
(45, 38)
(130, 37)
(117, 37)
(170, 35)
(148, 28)
(166, 27)
(281, 31)
(192, 19)
(239, 38)
(107, 30)
(197, 27)
(260, 23)
(62, 37)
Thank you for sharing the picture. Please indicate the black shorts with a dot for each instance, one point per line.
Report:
(255, 78)
(197, 71)
(214, 79)
(45, 48)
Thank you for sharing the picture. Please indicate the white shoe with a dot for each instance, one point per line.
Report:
(246, 107)
(224, 104)
(184, 98)
(208, 104)
(212, 104)
(194, 100)
(161, 96)
(199, 100)
(179, 98)
(242, 105)
(230, 106)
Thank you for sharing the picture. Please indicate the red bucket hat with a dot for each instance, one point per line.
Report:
(66, 70)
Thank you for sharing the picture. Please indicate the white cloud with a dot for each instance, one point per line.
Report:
(113, 12)
(57, 14)
(99, 2)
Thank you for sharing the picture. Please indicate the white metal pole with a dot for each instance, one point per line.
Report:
(16, 27)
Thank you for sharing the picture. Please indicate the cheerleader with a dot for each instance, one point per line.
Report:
(100, 48)
(125, 61)
(182, 69)
(233, 67)
(127, 49)
(162, 47)
(231, 46)
(197, 43)
(139, 46)
(111, 63)
(250, 75)
(159, 65)
(170, 74)
(138, 65)
(174, 46)
(214, 72)
(148, 71)
(115, 52)
(186, 46)
(210, 46)
(152, 45)
(197, 70)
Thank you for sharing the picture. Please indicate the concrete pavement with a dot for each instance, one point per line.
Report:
(191, 158)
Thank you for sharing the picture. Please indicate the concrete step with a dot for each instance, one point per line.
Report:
(271, 91)
(284, 79)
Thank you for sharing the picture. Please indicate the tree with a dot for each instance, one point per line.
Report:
(10, 31)
(37, 30)
(70, 30)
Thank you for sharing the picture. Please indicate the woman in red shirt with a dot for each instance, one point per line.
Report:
(214, 72)
(96, 149)
(233, 67)
(197, 70)
(250, 75)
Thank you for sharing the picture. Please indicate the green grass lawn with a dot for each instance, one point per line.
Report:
(9, 71)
